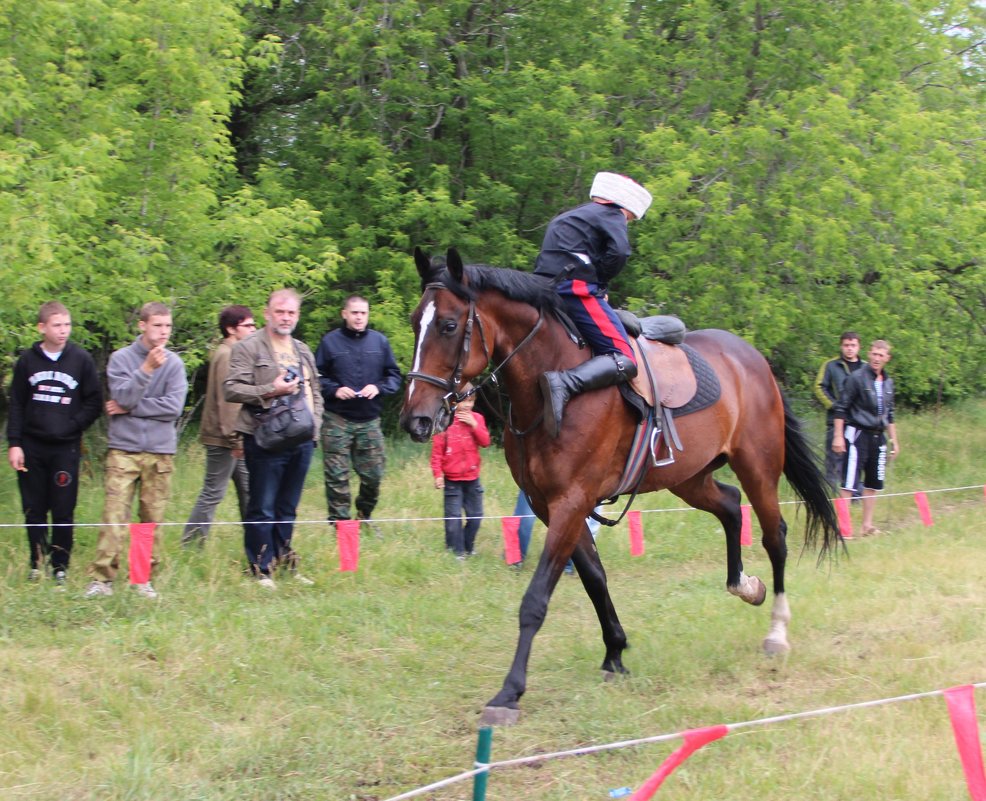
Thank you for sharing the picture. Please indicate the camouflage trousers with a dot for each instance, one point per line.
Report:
(124, 471)
(348, 446)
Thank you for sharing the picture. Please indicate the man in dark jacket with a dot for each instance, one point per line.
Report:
(55, 396)
(828, 386)
(864, 418)
(356, 368)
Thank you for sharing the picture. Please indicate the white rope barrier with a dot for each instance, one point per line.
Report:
(660, 738)
(488, 517)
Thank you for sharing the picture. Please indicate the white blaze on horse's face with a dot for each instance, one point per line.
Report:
(426, 317)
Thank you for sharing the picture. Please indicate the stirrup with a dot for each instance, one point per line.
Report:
(669, 459)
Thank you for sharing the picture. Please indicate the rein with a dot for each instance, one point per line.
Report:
(452, 397)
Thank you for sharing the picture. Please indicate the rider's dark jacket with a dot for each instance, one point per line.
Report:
(597, 230)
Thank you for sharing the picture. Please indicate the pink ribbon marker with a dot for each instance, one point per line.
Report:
(746, 528)
(636, 533)
(694, 739)
(511, 542)
(965, 727)
(141, 551)
(347, 538)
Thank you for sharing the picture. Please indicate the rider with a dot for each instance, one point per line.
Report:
(583, 250)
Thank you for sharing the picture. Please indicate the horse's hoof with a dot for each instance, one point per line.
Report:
(772, 647)
(751, 589)
(499, 716)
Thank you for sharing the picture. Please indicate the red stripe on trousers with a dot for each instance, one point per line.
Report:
(591, 304)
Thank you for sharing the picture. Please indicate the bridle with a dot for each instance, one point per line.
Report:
(453, 397)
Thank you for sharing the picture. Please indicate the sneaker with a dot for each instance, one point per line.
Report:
(370, 523)
(98, 588)
(60, 578)
(35, 575)
(303, 580)
(145, 591)
(267, 583)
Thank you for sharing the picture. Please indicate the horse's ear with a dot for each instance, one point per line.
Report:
(423, 264)
(454, 263)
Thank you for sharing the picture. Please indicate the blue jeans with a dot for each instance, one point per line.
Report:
(462, 496)
(522, 509)
(276, 482)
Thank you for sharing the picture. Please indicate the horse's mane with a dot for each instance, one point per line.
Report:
(534, 290)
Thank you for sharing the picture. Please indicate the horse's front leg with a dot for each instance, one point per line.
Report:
(503, 708)
(565, 527)
(593, 577)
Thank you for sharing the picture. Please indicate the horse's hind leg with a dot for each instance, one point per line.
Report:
(722, 500)
(593, 576)
(761, 489)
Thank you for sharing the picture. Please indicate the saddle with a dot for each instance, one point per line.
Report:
(666, 378)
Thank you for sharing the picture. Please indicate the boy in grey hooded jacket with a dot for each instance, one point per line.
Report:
(147, 388)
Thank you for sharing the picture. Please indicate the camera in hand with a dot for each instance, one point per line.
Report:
(291, 374)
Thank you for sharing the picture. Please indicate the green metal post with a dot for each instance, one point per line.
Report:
(484, 747)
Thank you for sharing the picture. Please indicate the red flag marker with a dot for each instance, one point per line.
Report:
(636, 533)
(347, 538)
(694, 739)
(141, 550)
(511, 542)
(845, 519)
(922, 501)
(746, 528)
(965, 727)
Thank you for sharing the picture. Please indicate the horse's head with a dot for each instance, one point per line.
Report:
(448, 345)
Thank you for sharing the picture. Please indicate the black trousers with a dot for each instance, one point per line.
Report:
(50, 485)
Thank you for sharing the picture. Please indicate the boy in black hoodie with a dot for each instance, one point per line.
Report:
(55, 396)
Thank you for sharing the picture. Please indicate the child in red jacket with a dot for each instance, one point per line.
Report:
(455, 464)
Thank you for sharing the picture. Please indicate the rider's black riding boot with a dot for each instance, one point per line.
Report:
(558, 387)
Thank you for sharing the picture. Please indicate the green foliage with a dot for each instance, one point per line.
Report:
(815, 167)
(118, 183)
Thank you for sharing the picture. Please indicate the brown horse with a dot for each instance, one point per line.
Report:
(473, 317)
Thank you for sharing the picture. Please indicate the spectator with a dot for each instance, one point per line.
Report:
(828, 386)
(356, 368)
(147, 388)
(54, 397)
(455, 464)
(264, 366)
(217, 431)
(864, 416)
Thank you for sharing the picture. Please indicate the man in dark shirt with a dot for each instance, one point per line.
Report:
(356, 368)
(864, 418)
(828, 386)
(54, 398)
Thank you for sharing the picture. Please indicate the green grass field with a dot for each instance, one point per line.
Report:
(368, 685)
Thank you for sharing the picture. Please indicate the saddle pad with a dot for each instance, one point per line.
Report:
(708, 383)
(672, 369)
(708, 390)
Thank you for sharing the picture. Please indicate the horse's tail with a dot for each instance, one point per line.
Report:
(804, 474)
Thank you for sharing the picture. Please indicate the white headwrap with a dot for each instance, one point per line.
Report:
(622, 191)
